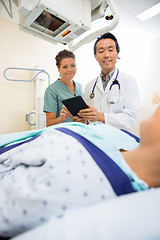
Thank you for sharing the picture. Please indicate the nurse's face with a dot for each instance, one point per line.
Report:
(150, 130)
(67, 69)
(106, 55)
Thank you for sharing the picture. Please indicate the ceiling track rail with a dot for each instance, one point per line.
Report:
(9, 11)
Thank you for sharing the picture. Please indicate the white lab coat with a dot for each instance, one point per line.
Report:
(123, 114)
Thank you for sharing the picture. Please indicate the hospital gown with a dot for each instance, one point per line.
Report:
(54, 173)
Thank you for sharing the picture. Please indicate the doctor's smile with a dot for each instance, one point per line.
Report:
(106, 61)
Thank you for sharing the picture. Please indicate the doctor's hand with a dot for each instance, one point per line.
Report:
(91, 114)
(78, 119)
(64, 114)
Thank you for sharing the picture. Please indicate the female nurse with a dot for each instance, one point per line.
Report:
(63, 88)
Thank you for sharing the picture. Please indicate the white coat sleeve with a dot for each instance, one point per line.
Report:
(127, 118)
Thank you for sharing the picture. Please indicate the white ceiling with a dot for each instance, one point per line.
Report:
(137, 6)
(134, 7)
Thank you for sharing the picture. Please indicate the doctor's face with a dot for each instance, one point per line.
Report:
(106, 55)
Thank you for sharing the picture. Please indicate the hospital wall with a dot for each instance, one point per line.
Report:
(22, 50)
(138, 57)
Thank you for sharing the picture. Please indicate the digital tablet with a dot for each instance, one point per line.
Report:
(74, 104)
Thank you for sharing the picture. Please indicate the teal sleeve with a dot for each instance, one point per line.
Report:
(50, 101)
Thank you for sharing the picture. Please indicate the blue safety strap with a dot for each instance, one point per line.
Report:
(117, 178)
(132, 135)
(5, 149)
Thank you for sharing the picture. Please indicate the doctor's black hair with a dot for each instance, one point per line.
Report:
(105, 36)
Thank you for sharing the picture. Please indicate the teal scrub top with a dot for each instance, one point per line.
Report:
(57, 92)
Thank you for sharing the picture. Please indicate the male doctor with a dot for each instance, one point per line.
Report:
(113, 97)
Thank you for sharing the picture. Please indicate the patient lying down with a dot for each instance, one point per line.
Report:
(145, 160)
(69, 166)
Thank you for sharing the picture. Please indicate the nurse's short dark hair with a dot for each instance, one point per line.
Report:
(63, 54)
(105, 36)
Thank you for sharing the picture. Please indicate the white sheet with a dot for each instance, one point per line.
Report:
(134, 216)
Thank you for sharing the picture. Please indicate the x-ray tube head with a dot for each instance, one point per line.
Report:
(56, 21)
(64, 21)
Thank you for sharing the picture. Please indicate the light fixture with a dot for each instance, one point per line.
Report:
(109, 17)
(149, 13)
(108, 13)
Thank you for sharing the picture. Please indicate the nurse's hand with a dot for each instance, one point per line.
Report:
(91, 114)
(81, 120)
(64, 114)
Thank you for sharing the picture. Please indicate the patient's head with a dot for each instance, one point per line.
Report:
(145, 159)
(150, 130)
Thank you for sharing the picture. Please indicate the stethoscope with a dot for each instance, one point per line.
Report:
(112, 99)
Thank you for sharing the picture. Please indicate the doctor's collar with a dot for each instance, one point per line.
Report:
(110, 75)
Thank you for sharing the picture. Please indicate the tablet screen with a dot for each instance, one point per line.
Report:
(74, 104)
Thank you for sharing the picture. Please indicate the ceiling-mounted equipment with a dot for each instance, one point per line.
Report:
(55, 20)
(63, 21)
(106, 10)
